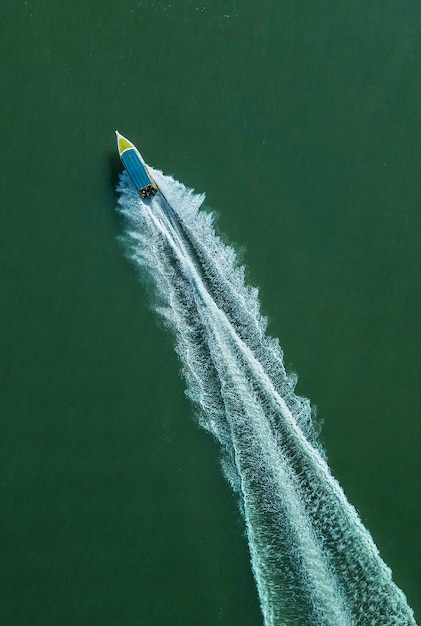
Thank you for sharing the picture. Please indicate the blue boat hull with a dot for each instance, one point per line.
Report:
(135, 169)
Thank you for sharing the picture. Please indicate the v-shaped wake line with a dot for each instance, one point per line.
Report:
(313, 560)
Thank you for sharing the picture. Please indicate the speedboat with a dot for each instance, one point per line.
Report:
(136, 167)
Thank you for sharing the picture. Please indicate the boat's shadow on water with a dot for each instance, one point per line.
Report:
(114, 170)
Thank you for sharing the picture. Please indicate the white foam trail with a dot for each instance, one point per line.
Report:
(313, 561)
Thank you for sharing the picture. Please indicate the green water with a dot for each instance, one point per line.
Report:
(301, 123)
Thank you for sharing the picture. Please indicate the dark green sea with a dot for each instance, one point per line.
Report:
(301, 123)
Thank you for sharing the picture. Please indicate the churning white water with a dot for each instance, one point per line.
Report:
(313, 561)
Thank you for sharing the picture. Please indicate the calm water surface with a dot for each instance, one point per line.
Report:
(301, 123)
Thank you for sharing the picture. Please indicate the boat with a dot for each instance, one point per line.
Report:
(136, 167)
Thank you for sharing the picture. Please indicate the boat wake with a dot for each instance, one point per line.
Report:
(312, 559)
